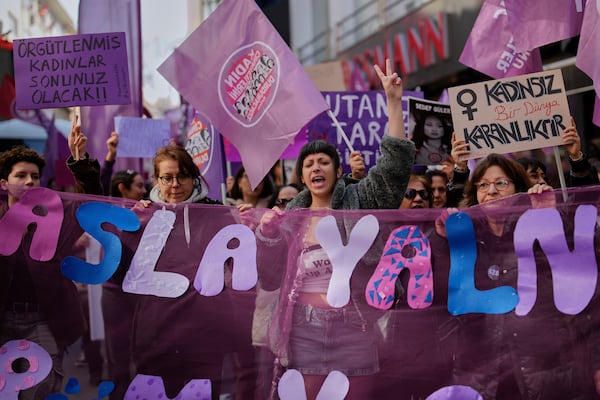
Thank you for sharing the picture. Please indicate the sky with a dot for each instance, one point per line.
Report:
(164, 27)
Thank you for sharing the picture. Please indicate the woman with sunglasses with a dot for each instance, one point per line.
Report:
(305, 339)
(418, 193)
(498, 357)
(284, 194)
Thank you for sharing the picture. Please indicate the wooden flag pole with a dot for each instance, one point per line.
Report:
(340, 130)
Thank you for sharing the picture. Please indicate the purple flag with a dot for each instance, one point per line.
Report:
(490, 48)
(537, 23)
(98, 122)
(588, 50)
(291, 152)
(232, 69)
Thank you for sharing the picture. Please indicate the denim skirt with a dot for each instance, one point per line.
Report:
(324, 340)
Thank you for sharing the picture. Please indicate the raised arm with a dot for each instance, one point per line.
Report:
(392, 85)
(582, 173)
(85, 170)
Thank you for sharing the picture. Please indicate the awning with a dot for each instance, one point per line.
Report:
(18, 129)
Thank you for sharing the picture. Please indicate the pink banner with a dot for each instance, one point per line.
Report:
(454, 313)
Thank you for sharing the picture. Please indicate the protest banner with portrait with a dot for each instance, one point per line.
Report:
(75, 70)
(512, 114)
(430, 128)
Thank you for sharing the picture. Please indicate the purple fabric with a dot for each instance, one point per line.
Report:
(290, 152)
(247, 86)
(98, 122)
(563, 322)
(490, 48)
(587, 59)
(537, 23)
(363, 118)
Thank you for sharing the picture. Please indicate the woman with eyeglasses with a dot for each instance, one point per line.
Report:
(317, 338)
(178, 179)
(418, 193)
(504, 355)
(168, 341)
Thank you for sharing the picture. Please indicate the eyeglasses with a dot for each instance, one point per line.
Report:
(501, 185)
(412, 193)
(282, 202)
(168, 179)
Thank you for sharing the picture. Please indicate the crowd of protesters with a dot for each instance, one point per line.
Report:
(292, 295)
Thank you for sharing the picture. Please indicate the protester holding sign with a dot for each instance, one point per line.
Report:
(38, 302)
(504, 365)
(303, 307)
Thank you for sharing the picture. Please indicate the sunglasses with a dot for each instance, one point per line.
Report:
(412, 193)
(282, 202)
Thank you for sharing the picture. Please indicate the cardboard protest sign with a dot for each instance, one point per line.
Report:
(76, 70)
(141, 137)
(430, 128)
(363, 116)
(512, 114)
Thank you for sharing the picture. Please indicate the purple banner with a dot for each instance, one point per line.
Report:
(66, 71)
(454, 312)
(363, 117)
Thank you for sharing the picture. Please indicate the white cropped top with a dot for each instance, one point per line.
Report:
(317, 270)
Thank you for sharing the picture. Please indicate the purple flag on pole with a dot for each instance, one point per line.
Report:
(587, 53)
(537, 23)
(490, 48)
(250, 86)
(98, 122)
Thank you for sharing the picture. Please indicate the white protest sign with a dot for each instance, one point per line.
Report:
(512, 114)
